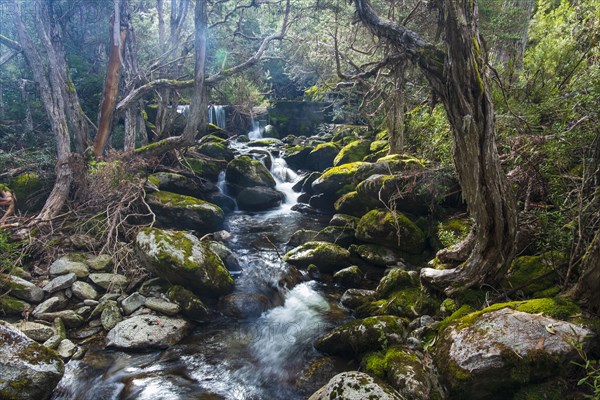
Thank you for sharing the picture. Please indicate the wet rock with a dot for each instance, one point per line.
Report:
(259, 199)
(84, 291)
(99, 263)
(65, 265)
(69, 317)
(109, 281)
(354, 204)
(132, 303)
(322, 156)
(191, 306)
(341, 236)
(53, 342)
(147, 331)
(361, 336)
(495, 350)
(111, 315)
(397, 279)
(162, 306)
(328, 257)
(409, 303)
(185, 212)
(354, 298)
(28, 370)
(391, 229)
(60, 283)
(349, 277)
(344, 220)
(181, 258)
(244, 172)
(355, 386)
(20, 288)
(337, 178)
(12, 306)
(66, 349)
(34, 330)
(319, 372)
(244, 305)
(295, 156)
(302, 236)
(378, 255)
(226, 255)
(226, 203)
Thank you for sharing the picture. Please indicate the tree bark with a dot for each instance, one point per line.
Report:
(394, 118)
(587, 290)
(458, 76)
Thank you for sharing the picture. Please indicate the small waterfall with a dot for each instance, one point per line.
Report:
(216, 116)
(221, 182)
(256, 132)
(285, 179)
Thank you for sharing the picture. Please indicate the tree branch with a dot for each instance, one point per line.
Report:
(10, 43)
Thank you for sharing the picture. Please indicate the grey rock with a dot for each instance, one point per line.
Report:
(132, 303)
(354, 298)
(226, 255)
(34, 330)
(69, 317)
(109, 281)
(111, 315)
(84, 311)
(162, 306)
(349, 277)
(147, 331)
(91, 303)
(66, 349)
(355, 385)
(100, 263)
(53, 342)
(28, 370)
(64, 266)
(20, 288)
(84, 291)
(52, 304)
(60, 283)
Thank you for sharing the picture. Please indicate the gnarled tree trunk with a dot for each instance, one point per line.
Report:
(458, 76)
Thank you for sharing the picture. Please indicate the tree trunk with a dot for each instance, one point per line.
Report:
(111, 84)
(459, 77)
(25, 100)
(587, 290)
(395, 113)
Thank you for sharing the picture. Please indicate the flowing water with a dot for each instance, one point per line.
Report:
(216, 116)
(255, 358)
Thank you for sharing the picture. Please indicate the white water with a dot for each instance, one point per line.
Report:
(221, 185)
(216, 116)
(256, 132)
(285, 179)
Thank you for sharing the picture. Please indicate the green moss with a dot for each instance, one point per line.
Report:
(11, 306)
(392, 229)
(344, 169)
(154, 180)
(456, 315)
(452, 231)
(25, 185)
(379, 363)
(206, 169)
(534, 274)
(355, 151)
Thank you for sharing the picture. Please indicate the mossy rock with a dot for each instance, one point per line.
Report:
(322, 156)
(176, 183)
(12, 306)
(244, 172)
(392, 229)
(26, 187)
(451, 232)
(344, 220)
(409, 303)
(350, 277)
(207, 169)
(354, 204)
(217, 151)
(354, 131)
(212, 138)
(337, 178)
(362, 336)
(296, 156)
(380, 256)
(535, 274)
(352, 152)
(191, 306)
(328, 257)
(342, 236)
(397, 279)
(266, 142)
(180, 258)
(355, 385)
(178, 211)
(406, 371)
(382, 135)
(259, 198)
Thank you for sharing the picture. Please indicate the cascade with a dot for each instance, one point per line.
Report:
(256, 132)
(216, 116)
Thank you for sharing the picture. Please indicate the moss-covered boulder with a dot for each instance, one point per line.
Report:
(186, 212)
(322, 156)
(350, 277)
(215, 150)
(205, 168)
(397, 279)
(406, 192)
(179, 184)
(392, 229)
(319, 372)
(535, 276)
(407, 371)
(349, 131)
(12, 306)
(181, 258)
(409, 303)
(28, 370)
(355, 386)
(26, 188)
(354, 298)
(244, 172)
(328, 257)
(380, 256)
(338, 179)
(144, 332)
(344, 220)
(493, 352)
(244, 305)
(362, 336)
(191, 306)
(296, 156)
(352, 152)
(21, 288)
(340, 235)
(353, 203)
(259, 198)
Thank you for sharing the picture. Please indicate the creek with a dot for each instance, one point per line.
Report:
(253, 358)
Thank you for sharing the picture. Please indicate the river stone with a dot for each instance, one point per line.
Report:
(84, 291)
(344, 220)
(354, 298)
(12, 306)
(64, 266)
(20, 288)
(226, 255)
(391, 229)
(337, 178)
(53, 342)
(66, 349)
(191, 306)
(352, 152)
(328, 257)
(259, 199)
(244, 305)
(244, 172)
(302, 236)
(181, 258)
(132, 303)
(322, 156)
(378, 255)
(484, 354)
(349, 277)
(61, 282)
(34, 330)
(69, 317)
(99, 263)
(363, 335)
(162, 306)
(28, 370)
(111, 315)
(397, 279)
(176, 183)
(109, 281)
(355, 385)
(147, 331)
(319, 372)
(185, 212)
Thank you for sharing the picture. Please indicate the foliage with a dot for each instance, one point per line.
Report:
(428, 133)
(10, 251)
(591, 372)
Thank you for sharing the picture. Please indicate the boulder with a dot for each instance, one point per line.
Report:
(259, 198)
(363, 335)
(84, 291)
(54, 303)
(353, 298)
(185, 212)
(379, 255)
(35, 330)
(319, 372)
(397, 279)
(302, 236)
(492, 352)
(328, 257)
(244, 305)
(207, 169)
(409, 303)
(176, 183)
(392, 229)
(181, 258)
(322, 156)
(101, 262)
(12, 306)
(226, 255)
(28, 370)
(66, 349)
(355, 385)
(344, 221)
(352, 152)
(132, 303)
(61, 282)
(147, 331)
(109, 281)
(350, 277)
(218, 151)
(535, 274)
(20, 288)
(226, 203)
(191, 306)
(342, 236)
(295, 156)
(65, 265)
(245, 172)
(336, 179)
(354, 204)
(162, 306)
